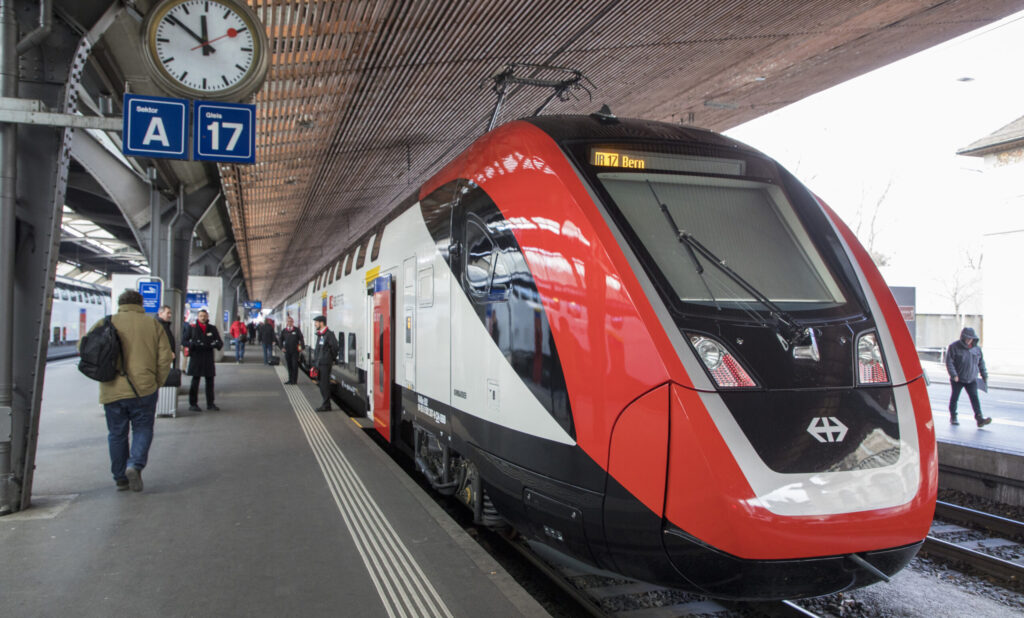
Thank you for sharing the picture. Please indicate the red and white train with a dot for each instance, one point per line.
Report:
(647, 346)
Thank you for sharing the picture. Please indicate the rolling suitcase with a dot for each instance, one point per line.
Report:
(275, 360)
(167, 401)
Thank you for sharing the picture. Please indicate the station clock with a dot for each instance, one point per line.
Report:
(206, 49)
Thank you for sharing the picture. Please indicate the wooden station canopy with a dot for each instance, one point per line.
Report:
(366, 99)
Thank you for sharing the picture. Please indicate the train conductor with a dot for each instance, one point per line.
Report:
(292, 343)
(324, 353)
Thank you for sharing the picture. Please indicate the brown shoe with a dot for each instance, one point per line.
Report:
(984, 421)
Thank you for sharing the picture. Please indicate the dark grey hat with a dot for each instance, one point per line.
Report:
(320, 318)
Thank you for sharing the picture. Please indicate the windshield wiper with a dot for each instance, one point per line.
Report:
(786, 324)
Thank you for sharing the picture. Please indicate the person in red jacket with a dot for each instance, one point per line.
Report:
(239, 333)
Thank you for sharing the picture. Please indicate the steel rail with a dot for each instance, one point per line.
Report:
(1010, 528)
(990, 565)
(774, 609)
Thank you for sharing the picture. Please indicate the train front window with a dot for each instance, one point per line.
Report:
(746, 223)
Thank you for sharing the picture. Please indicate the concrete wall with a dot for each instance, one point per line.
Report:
(957, 463)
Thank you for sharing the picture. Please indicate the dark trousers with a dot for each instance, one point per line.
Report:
(291, 359)
(136, 414)
(972, 394)
(193, 392)
(325, 384)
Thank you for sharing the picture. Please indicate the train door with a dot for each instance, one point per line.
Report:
(408, 323)
(383, 346)
(368, 346)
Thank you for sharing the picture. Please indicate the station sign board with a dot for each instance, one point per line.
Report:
(196, 300)
(150, 291)
(224, 132)
(155, 127)
(253, 304)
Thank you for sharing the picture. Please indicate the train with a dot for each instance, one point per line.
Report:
(77, 305)
(646, 346)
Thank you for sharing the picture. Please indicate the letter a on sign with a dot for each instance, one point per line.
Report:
(156, 133)
(155, 127)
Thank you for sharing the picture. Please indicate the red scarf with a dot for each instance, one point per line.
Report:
(201, 326)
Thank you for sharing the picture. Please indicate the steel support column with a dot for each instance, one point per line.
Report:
(50, 73)
(8, 203)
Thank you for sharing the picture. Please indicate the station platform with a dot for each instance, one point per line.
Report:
(265, 508)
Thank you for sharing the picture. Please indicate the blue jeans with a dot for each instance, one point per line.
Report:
(139, 413)
(239, 349)
(268, 351)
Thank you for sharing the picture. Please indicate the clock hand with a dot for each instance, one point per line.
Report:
(231, 33)
(202, 22)
(188, 30)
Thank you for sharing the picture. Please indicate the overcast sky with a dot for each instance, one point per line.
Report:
(902, 124)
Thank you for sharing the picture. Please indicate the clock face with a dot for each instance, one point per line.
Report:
(205, 47)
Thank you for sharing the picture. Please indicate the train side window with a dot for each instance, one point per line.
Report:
(362, 254)
(376, 245)
(352, 347)
(479, 258)
(341, 347)
(348, 263)
(64, 294)
(329, 273)
(337, 271)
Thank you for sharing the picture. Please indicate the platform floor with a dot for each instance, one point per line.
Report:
(265, 508)
(1004, 403)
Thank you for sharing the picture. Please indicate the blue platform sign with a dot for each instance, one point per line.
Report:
(224, 132)
(196, 300)
(155, 127)
(253, 304)
(150, 291)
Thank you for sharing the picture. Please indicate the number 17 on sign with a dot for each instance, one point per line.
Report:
(224, 132)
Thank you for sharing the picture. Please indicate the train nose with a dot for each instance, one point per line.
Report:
(635, 496)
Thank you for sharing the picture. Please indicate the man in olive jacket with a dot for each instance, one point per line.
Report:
(130, 400)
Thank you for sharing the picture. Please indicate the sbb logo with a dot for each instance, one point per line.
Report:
(827, 429)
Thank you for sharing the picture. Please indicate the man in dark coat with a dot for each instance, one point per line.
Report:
(292, 343)
(203, 340)
(323, 357)
(268, 339)
(164, 316)
(251, 327)
(965, 362)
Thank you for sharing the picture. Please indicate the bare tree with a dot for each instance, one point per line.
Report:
(964, 283)
(869, 222)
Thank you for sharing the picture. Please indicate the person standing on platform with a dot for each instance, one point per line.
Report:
(129, 400)
(239, 334)
(323, 357)
(292, 343)
(965, 363)
(251, 327)
(164, 316)
(203, 341)
(268, 339)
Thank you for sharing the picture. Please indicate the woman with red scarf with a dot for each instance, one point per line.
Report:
(202, 341)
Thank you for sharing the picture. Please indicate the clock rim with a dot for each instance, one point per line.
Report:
(247, 85)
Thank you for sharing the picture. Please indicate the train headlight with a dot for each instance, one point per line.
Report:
(723, 367)
(870, 362)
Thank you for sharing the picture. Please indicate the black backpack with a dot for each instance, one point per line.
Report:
(98, 353)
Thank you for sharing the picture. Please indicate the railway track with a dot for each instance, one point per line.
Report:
(987, 543)
(605, 597)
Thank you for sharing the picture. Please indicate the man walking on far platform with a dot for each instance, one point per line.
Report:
(292, 343)
(129, 400)
(965, 363)
(267, 338)
(323, 357)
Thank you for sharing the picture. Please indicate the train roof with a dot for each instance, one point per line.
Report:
(564, 128)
